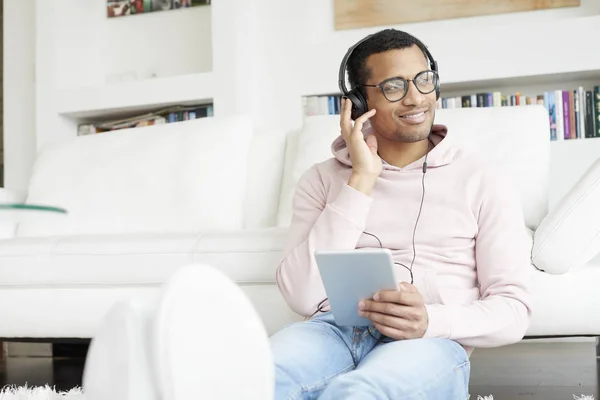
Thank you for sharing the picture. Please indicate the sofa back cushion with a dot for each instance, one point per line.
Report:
(517, 138)
(265, 171)
(185, 176)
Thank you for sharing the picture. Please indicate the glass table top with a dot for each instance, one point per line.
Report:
(19, 212)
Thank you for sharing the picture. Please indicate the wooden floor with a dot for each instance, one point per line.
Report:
(528, 370)
(535, 371)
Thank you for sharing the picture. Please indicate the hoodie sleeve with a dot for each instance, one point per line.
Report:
(317, 224)
(502, 252)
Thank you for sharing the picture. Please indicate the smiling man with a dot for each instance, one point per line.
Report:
(453, 224)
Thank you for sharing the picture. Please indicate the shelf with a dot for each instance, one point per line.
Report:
(551, 81)
(138, 96)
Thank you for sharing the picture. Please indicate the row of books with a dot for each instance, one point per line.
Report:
(322, 105)
(164, 116)
(572, 114)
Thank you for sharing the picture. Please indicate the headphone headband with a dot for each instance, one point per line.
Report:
(342, 72)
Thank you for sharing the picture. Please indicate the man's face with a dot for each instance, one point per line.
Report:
(410, 119)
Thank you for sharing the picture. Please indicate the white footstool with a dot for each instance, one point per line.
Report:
(199, 338)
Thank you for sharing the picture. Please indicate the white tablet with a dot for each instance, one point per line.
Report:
(353, 275)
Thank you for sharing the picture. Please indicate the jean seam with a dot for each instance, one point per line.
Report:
(308, 389)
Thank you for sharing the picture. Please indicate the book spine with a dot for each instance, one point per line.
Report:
(481, 99)
(553, 115)
(572, 115)
(589, 114)
(549, 103)
(577, 114)
(566, 114)
(582, 107)
(597, 111)
(466, 101)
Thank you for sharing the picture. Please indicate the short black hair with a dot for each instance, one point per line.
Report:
(385, 40)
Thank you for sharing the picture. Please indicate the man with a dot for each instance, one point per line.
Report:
(455, 228)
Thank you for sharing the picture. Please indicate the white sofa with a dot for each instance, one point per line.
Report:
(145, 202)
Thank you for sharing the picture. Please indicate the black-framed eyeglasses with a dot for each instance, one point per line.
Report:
(394, 89)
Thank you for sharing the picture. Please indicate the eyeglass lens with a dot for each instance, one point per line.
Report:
(395, 89)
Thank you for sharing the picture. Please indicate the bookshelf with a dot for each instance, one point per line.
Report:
(528, 58)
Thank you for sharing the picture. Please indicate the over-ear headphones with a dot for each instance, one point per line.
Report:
(359, 103)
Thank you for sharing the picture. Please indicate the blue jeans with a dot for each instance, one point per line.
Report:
(318, 359)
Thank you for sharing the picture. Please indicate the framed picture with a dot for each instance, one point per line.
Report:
(352, 14)
(120, 8)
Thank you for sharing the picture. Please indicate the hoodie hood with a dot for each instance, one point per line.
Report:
(442, 154)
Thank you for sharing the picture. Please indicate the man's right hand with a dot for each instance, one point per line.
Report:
(366, 163)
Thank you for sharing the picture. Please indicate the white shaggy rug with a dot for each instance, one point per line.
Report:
(39, 393)
(48, 393)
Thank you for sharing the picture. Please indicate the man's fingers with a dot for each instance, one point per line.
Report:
(360, 121)
(345, 119)
(409, 298)
(388, 320)
(392, 309)
(407, 287)
(372, 143)
(390, 332)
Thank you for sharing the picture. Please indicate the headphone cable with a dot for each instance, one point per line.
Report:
(321, 305)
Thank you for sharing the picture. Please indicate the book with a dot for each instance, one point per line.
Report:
(560, 125)
(597, 111)
(566, 114)
(582, 108)
(589, 114)
(577, 114)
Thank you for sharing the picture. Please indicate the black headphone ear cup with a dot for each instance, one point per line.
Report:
(359, 104)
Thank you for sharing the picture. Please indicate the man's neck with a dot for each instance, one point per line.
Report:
(400, 154)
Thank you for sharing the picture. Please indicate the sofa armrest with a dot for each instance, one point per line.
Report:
(569, 236)
(9, 229)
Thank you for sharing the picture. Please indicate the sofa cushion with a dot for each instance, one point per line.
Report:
(246, 256)
(179, 177)
(569, 236)
(306, 147)
(265, 170)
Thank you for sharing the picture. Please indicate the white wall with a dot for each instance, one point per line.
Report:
(96, 50)
(19, 92)
(466, 48)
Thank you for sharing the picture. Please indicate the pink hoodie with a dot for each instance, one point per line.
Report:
(473, 251)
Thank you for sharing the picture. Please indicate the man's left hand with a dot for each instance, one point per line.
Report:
(398, 314)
